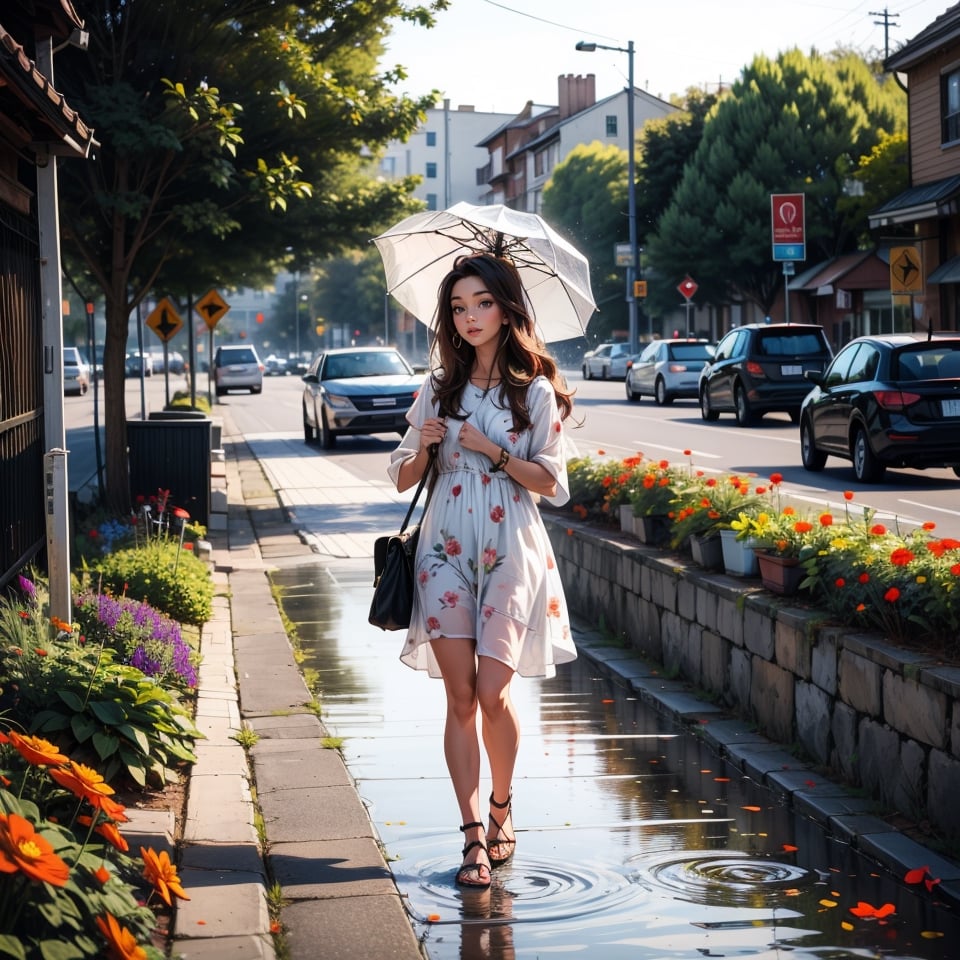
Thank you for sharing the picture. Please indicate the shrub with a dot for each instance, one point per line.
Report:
(164, 574)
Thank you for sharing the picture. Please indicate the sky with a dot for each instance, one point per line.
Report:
(497, 54)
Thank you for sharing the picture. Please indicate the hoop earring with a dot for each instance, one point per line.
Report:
(457, 341)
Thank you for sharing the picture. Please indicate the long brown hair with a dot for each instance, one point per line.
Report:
(521, 355)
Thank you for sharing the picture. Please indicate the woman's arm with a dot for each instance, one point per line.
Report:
(533, 476)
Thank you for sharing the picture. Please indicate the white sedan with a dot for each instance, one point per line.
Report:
(667, 369)
(608, 361)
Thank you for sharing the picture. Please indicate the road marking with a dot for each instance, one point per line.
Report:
(926, 506)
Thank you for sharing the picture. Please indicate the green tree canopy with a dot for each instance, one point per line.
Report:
(797, 124)
(585, 199)
(234, 136)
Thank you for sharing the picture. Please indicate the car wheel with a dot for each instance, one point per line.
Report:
(632, 395)
(324, 433)
(660, 393)
(745, 416)
(587, 373)
(604, 373)
(794, 416)
(220, 391)
(256, 389)
(866, 467)
(309, 434)
(706, 411)
(813, 459)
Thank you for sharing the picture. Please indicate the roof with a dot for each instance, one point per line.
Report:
(35, 107)
(863, 270)
(943, 32)
(947, 272)
(924, 202)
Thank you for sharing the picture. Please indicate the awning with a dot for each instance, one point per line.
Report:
(947, 272)
(41, 113)
(925, 202)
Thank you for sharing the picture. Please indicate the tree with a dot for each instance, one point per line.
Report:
(234, 136)
(797, 124)
(586, 200)
(349, 294)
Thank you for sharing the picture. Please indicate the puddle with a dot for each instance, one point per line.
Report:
(634, 839)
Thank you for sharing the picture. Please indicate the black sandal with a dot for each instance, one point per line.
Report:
(510, 842)
(473, 869)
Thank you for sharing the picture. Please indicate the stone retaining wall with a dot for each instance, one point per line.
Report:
(885, 718)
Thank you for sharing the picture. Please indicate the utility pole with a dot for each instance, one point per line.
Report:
(886, 24)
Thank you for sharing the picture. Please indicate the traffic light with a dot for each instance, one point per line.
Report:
(259, 318)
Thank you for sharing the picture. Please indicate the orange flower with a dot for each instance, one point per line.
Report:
(878, 530)
(826, 520)
(113, 810)
(82, 781)
(22, 848)
(929, 525)
(158, 869)
(803, 526)
(102, 873)
(36, 750)
(121, 943)
(901, 557)
(109, 831)
(847, 494)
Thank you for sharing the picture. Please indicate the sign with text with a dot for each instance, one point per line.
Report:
(787, 226)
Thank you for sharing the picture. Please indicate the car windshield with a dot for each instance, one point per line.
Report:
(348, 365)
(226, 357)
(790, 344)
(931, 362)
(691, 351)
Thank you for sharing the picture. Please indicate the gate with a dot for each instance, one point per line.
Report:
(22, 521)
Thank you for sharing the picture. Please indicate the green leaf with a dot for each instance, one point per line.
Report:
(12, 947)
(108, 711)
(135, 735)
(74, 702)
(105, 744)
(59, 949)
(83, 727)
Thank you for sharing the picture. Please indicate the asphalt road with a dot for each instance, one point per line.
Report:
(607, 422)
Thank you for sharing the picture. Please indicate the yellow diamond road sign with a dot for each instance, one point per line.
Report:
(211, 306)
(164, 320)
(906, 271)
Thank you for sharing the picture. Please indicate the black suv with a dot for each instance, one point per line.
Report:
(759, 368)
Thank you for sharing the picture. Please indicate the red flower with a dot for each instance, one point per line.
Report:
(452, 547)
(901, 557)
(864, 578)
(892, 595)
(929, 525)
(847, 494)
(802, 526)
(456, 491)
(687, 453)
(878, 530)
(826, 520)
(840, 583)
(776, 478)
(955, 569)
(496, 514)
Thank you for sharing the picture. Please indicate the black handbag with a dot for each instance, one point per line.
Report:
(394, 561)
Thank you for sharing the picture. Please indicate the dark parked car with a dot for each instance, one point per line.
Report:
(759, 368)
(667, 370)
(357, 390)
(886, 401)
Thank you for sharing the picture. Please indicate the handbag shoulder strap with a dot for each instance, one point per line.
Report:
(420, 486)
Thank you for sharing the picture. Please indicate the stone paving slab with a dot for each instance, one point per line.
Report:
(324, 870)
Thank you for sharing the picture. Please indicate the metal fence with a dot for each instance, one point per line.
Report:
(22, 521)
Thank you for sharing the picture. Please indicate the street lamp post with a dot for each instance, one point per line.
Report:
(586, 47)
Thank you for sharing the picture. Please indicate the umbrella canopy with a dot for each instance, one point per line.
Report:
(419, 251)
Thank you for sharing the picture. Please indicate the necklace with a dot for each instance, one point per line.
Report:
(490, 382)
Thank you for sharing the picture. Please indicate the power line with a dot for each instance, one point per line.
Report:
(886, 24)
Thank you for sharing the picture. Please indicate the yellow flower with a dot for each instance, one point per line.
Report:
(158, 869)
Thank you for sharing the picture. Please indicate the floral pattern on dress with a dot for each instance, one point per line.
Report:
(485, 565)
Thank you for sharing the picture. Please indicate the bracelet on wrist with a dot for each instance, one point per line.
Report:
(502, 462)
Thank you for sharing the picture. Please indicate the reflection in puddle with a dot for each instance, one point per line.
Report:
(634, 839)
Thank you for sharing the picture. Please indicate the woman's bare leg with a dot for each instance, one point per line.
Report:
(501, 738)
(461, 746)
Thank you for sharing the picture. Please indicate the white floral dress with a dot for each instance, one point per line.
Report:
(485, 566)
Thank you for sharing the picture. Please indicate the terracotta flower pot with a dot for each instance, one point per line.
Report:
(779, 574)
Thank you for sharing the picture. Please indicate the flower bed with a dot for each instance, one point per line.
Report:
(866, 575)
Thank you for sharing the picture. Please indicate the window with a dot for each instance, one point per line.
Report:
(431, 171)
(431, 201)
(431, 138)
(388, 166)
(612, 125)
(950, 109)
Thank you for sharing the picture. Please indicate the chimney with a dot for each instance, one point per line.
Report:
(575, 93)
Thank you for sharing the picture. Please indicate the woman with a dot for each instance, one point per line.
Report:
(489, 601)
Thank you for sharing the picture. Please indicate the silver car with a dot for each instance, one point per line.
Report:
(667, 370)
(237, 368)
(608, 361)
(357, 390)
(76, 373)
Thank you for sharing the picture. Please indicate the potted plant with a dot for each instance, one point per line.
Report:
(651, 491)
(705, 505)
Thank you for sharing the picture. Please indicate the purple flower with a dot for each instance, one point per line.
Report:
(27, 586)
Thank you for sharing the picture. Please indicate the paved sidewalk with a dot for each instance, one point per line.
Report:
(288, 812)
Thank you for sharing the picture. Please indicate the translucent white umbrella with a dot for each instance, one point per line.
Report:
(419, 251)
